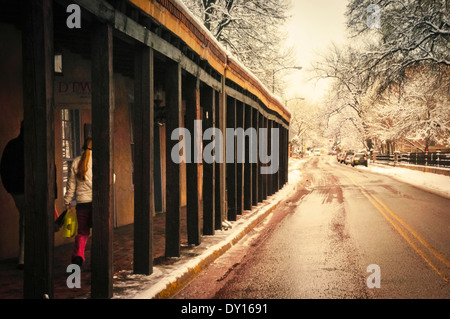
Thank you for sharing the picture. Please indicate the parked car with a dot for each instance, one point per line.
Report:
(360, 159)
(340, 157)
(348, 157)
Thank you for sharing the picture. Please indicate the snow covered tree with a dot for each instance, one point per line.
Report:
(416, 111)
(346, 100)
(409, 33)
(252, 30)
(396, 84)
(306, 124)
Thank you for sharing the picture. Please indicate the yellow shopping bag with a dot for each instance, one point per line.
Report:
(70, 228)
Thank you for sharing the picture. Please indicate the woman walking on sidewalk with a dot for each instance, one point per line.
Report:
(80, 182)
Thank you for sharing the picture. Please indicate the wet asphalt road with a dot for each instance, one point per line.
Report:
(320, 242)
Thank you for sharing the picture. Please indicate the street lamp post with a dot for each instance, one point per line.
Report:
(287, 67)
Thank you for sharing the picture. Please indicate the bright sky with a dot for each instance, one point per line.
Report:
(313, 27)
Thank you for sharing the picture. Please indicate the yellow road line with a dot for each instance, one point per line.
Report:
(437, 254)
(385, 211)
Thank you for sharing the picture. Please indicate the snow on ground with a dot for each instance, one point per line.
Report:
(432, 182)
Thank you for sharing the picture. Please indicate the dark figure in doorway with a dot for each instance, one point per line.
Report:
(12, 170)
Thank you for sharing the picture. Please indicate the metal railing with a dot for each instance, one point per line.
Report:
(437, 159)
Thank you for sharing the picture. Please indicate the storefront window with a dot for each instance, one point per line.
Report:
(71, 148)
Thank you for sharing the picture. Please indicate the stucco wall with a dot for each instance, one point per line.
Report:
(123, 169)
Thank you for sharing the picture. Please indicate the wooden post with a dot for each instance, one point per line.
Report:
(219, 197)
(102, 161)
(39, 148)
(223, 111)
(286, 155)
(192, 95)
(266, 142)
(174, 114)
(275, 185)
(102, 166)
(260, 176)
(248, 165)
(231, 166)
(282, 156)
(281, 159)
(255, 166)
(143, 160)
(239, 160)
(207, 97)
(269, 151)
